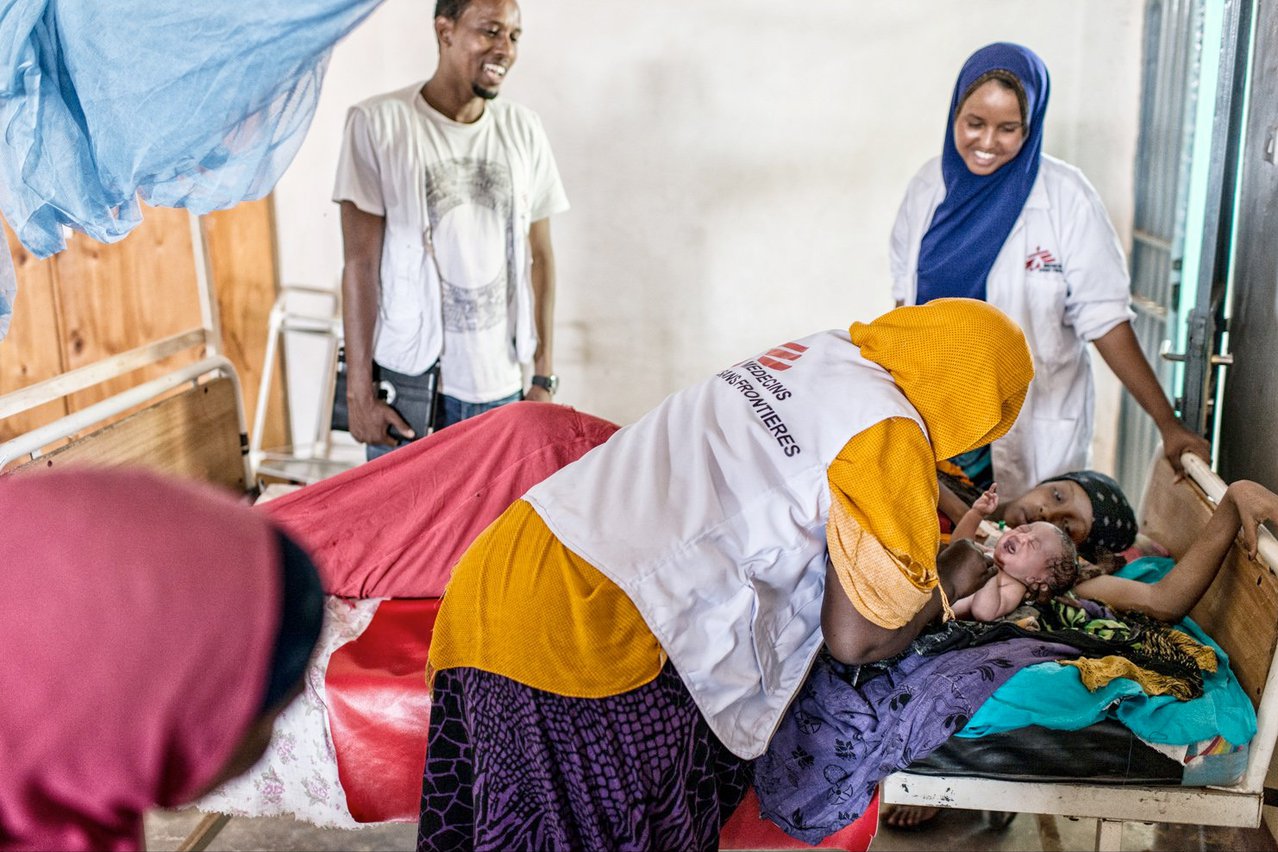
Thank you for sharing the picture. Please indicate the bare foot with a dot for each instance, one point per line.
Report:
(907, 816)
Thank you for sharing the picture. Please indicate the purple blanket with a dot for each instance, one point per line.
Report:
(839, 739)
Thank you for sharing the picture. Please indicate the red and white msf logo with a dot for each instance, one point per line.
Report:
(775, 359)
(1042, 259)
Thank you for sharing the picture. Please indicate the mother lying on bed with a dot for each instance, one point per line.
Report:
(848, 729)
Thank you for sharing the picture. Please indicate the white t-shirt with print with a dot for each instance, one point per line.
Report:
(466, 194)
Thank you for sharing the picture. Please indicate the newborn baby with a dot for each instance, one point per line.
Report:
(1034, 560)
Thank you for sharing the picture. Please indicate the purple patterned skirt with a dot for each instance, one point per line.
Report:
(514, 768)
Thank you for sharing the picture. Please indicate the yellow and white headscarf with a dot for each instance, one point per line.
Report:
(965, 368)
(963, 365)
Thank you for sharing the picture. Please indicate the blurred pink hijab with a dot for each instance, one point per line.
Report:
(137, 626)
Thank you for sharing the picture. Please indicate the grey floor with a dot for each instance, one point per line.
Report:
(165, 830)
(952, 830)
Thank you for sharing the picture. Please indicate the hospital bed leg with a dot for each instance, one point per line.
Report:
(1109, 835)
(204, 833)
(1049, 834)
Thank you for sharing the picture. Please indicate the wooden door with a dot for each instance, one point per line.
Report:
(93, 300)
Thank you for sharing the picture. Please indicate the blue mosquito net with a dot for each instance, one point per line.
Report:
(8, 287)
(182, 103)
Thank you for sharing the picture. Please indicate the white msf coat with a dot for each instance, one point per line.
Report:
(1062, 277)
(725, 494)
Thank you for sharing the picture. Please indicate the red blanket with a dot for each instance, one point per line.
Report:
(396, 526)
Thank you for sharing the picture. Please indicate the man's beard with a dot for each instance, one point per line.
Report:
(481, 92)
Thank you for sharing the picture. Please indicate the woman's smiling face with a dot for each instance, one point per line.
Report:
(988, 130)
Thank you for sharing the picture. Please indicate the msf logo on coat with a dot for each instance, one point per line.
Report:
(1041, 260)
(783, 356)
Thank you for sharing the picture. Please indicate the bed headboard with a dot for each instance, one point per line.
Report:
(1240, 609)
(193, 435)
(188, 423)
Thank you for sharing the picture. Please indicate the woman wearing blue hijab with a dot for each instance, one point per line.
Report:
(995, 218)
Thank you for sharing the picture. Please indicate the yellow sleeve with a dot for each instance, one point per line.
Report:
(883, 532)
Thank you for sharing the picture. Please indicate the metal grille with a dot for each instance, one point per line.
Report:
(1169, 92)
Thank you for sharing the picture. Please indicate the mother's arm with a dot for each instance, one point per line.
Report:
(950, 504)
(1244, 506)
(854, 639)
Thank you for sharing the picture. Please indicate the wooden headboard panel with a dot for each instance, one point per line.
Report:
(1240, 610)
(194, 434)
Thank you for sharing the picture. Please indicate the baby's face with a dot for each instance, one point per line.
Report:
(1024, 552)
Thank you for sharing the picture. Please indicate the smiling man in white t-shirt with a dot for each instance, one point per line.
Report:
(446, 196)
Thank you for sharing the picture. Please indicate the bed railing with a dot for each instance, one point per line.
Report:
(1261, 753)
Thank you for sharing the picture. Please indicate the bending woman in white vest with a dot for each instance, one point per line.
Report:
(612, 651)
(994, 218)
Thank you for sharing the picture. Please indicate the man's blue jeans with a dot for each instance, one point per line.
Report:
(448, 410)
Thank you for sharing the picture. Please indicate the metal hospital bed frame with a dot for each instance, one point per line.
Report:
(1239, 611)
(298, 311)
(181, 453)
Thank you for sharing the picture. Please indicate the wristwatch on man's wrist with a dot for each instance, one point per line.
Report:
(550, 383)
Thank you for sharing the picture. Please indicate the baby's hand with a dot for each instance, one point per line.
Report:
(987, 502)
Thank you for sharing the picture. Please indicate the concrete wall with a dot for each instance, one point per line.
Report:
(734, 165)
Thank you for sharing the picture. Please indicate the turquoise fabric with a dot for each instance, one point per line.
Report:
(196, 104)
(1053, 696)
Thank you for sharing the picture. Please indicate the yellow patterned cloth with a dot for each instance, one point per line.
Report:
(522, 605)
(1098, 671)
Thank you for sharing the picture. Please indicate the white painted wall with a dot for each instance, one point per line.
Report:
(734, 165)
